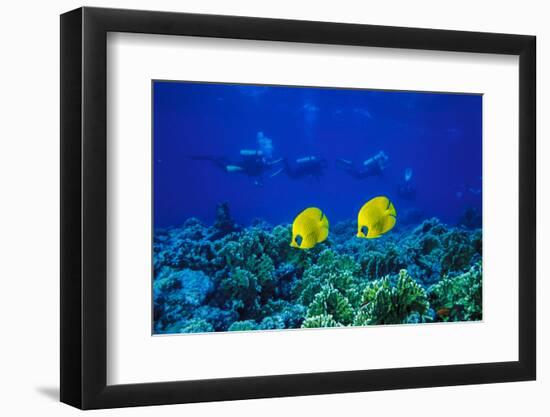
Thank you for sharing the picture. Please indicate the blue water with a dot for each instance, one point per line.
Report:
(437, 135)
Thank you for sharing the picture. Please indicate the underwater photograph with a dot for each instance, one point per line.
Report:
(290, 207)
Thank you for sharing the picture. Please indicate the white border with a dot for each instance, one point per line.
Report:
(134, 356)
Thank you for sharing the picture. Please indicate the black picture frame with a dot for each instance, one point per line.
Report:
(84, 207)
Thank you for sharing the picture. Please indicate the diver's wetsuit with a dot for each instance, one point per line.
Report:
(308, 166)
(372, 167)
(360, 173)
(252, 163)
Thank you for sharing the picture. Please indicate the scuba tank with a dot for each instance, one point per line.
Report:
(250, 152)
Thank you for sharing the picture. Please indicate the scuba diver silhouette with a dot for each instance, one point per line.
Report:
(406, 190)
(305, 167)
(252, 163)
(372, 167)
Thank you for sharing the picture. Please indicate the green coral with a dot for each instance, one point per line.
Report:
(330, 302)
(262, 267)
(384, 302)
(247, 254)
(459, 296)
(279, 242)
(322, 320)
(339, 271)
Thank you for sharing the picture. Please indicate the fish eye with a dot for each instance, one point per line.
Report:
(298, 239)
(365, 230)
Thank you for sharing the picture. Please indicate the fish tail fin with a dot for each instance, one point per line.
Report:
(323, 230)
(323, 234)
(388, 223)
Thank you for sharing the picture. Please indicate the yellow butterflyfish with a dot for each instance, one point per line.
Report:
(376, 217)
(309, 228)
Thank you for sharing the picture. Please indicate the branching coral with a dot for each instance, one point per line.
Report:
(459, 297)
(339, 271)
(320, 321)
(329, 301)
(388, 303)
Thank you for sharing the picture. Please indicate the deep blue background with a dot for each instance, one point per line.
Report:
(438, 135)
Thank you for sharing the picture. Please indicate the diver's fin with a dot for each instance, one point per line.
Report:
(344, 162)
(276, 173)
(275, 161)
(218, 160)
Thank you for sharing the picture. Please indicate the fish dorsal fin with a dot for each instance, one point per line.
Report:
(324, 220)
(391, 210)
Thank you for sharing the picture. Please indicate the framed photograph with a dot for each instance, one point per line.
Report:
(257, 208)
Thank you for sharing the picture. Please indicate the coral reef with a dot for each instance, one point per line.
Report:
(384, 302)
(459, 297)
(229, 278)
(330, 302)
